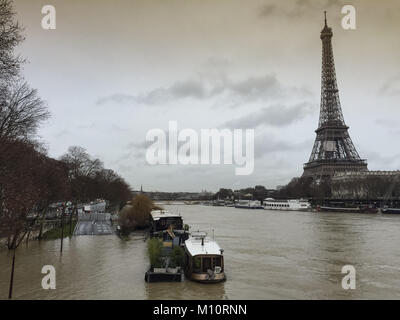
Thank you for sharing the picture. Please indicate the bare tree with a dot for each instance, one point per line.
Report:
(82, 169)
(80, 163)
(20, 190)
(21, 112)
(10, 37)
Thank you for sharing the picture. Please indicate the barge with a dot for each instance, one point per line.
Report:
(248, 204)
(359, 209)
(204, 259)
(391, 210)
(164, 275)
(167, 237)
(161, 220)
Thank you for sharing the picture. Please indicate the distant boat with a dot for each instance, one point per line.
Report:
(248, 204)
(387, 210)
(287, 205)
(358, 209)
(229, 204)
(204, 259)
(218, 203)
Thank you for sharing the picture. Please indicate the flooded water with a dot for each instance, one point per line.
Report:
(268, 255)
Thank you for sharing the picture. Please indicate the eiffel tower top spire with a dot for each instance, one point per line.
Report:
(326, 31)
(333, 148)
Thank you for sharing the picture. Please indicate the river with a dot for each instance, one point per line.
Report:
(268, 255)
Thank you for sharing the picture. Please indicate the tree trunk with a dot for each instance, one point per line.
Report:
(42, 223)
(62, 228)
(27, 237)
(12, 274)
(1, 200)
(70, 220)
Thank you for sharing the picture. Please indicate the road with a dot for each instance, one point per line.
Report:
(93, 224)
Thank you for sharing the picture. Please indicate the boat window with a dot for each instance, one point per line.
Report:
(217, 262)
(206, 264)
(196, 264)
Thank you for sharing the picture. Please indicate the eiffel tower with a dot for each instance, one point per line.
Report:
(333, 149)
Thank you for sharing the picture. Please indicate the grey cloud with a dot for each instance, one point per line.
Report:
(138, 145)
(298, 9)
(117, 128)
(179, 90)
(392, 86)
(256, 87)
(62, 133)
(388, 123)
(267, 10)
(96, 126)
(193, 89)
(377, 161)
(118, 98)
(275, 115)
(268, 144)
(265, 87)
(88, 126)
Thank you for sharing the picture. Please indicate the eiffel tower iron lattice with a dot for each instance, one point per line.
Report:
(333, 149)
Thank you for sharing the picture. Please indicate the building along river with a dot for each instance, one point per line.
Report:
(268, 255)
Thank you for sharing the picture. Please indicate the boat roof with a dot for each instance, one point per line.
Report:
(285, 200)
(158, 214)
(194, 247)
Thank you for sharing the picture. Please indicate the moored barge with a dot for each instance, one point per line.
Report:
(204, 259)
(359, 209)
(387, 210)
(248, 204)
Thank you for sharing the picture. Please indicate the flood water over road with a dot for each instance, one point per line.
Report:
(268, 255)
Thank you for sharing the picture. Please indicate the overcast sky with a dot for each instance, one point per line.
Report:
(114, 69)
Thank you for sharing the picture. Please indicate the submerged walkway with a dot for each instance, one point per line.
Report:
(93, 224)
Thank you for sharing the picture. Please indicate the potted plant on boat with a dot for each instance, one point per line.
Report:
(154, 251)
(175, 260)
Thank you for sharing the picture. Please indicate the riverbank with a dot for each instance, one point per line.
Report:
(48, 230)
(56, 232)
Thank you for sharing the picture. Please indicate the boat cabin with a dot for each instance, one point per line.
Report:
(204, 259)
(162, 220)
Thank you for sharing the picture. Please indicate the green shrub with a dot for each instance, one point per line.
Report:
(154, 246)
(136, 215)
(177, 256)
(196, 263)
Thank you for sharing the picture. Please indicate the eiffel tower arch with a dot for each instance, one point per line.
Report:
(333, 149)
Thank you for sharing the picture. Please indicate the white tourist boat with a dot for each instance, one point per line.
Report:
(204, 259)
(248, 204)
(287, 205)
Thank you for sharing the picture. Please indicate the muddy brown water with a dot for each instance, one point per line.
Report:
(268, 255)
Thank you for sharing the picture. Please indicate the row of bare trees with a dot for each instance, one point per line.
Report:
(30, 181)
(364, 187)
(385, 187)
(305, 187)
